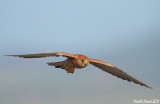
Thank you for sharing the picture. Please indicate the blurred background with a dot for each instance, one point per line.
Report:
(125, 33)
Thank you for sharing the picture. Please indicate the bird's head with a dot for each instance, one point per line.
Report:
(82, 62)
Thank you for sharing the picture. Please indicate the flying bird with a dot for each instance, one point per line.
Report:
(81, 61)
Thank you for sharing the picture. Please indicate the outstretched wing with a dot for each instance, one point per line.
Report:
(115, 71)
(39, 55)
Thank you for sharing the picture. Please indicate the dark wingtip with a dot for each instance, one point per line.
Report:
(16, 56)
(149, 87)
(12, 55)
(8, 55)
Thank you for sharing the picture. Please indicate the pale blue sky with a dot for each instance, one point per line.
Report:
(125, 33)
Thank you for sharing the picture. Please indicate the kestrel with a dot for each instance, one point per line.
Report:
(80, 61)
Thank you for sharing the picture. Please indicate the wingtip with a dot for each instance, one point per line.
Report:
(11, 55)
(149, 87)
(7, 55)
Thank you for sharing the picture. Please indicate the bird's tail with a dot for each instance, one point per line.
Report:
(62, 65)
(57, 64)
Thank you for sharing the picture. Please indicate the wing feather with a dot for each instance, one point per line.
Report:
(115, 71)
(40, 55)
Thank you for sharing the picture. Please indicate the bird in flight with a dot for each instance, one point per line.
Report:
(81, 61)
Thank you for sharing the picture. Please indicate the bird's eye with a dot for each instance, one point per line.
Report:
(82, 60)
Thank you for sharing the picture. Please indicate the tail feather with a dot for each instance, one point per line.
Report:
(62, 65)
(57, 64)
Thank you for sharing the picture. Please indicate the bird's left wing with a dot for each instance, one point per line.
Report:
(39, 55)
(115, 71)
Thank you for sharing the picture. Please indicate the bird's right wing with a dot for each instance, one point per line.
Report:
(39, 55)
(115, 71)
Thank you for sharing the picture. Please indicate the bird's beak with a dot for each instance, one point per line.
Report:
(85, 62)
